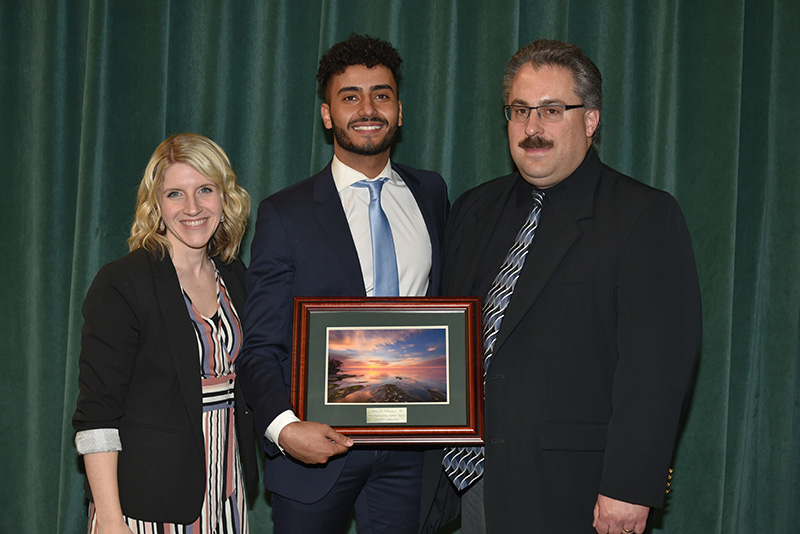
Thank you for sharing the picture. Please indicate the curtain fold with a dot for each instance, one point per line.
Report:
(699, 99)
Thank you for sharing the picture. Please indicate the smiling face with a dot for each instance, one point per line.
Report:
(547, 153)
(191, 207)
(364, 111)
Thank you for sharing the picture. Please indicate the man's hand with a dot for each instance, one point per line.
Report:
(312, 443)
(614, 517)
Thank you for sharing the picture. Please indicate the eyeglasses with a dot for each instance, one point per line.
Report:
(547, 112)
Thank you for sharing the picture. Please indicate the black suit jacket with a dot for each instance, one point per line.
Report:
(303, 247)
(140, 374)
(596, 353)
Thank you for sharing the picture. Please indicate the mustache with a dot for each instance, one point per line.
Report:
(368, 119)
(536, 142)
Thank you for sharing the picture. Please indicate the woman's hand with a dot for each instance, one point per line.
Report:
(116, 527)
(101, 470)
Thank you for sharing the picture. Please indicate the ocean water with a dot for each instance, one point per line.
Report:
(385, 387)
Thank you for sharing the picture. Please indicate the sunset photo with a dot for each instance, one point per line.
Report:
(387, 365)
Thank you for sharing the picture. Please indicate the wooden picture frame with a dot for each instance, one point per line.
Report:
(401, 370)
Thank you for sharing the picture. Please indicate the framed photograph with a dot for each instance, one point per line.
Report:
(399, 370)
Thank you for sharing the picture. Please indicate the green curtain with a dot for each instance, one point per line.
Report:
(699, 100)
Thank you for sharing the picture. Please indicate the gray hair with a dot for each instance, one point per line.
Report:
(588, 80)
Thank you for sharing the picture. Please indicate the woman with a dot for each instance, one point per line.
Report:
(155, 415)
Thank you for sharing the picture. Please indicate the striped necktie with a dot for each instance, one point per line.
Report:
(464, 465)
(384, 259)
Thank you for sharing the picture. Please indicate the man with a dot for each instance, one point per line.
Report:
(589, 363)
(318, 238)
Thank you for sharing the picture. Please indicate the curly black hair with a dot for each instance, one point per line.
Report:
(357, 50)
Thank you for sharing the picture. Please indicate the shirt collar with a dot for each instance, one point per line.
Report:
(344, 176)
(576, 192)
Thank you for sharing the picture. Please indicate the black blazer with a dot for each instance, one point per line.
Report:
(597, 350)
(303, 247)
(139, 373)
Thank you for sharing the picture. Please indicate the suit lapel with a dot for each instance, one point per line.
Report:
(427, 210)
(552, 241)
(475, 231)
(180, 336)
(330, 215)
(558, 231)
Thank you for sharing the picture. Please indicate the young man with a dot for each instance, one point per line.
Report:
(591, 318)
(316, 238)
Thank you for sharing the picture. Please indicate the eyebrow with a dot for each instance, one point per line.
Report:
(181, 188)
(358, 89)
(543, 102)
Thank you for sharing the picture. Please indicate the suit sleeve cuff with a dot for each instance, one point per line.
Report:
(98, 440)
(274, 429)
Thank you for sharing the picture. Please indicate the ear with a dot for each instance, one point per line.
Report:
(400, 113)
(591, 119)
(325, 111)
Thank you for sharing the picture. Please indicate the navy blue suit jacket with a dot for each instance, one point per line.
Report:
(303, 248)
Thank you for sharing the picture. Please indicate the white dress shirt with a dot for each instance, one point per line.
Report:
(411, 240)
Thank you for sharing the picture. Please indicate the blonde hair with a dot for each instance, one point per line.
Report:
(207, 158)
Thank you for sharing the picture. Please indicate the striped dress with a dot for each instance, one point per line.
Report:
(219, 339)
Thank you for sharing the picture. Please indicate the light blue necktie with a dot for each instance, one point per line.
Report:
(464, 465)
(384, 258)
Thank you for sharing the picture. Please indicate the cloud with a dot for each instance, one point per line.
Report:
(403, 347)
